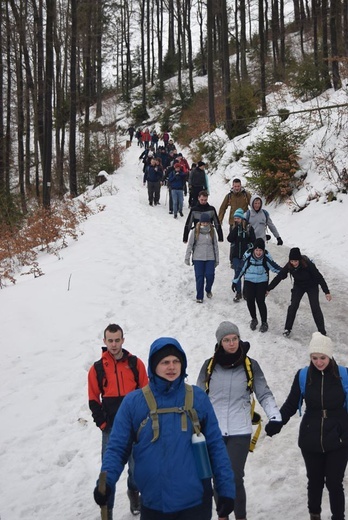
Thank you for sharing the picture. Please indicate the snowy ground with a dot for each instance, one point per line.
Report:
(128, 268)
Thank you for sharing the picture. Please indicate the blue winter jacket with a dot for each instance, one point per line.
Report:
(254, 269)
(165, 470)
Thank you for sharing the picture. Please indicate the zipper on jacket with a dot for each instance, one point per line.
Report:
(323, 414)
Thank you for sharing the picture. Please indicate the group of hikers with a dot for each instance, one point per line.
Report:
(177, 437)
(187, 445)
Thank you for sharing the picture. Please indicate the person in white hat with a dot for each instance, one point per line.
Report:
(323, 436)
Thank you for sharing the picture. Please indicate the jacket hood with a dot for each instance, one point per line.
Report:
(160, 343)
(252, 201)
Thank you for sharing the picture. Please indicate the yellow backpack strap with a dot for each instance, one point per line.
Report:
(208, 372)
(255, 417)
(190, 410)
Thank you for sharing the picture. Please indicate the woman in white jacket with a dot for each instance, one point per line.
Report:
(203, 247)
(225, 378)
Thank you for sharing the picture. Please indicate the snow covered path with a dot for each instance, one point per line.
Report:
(128, 268)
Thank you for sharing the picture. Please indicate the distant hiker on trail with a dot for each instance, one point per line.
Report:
(146, 138)
(255, 270)
(139, 137)
(307, 279)
(195, 215)
(198, 181)
(170, 146)
(238, 197)
(323, 436)
(242, 238)
(165, 138)
(203, 247)
(131, 131)
(173, 481)
(260, 219)
(154, 140)
(117, 374)
(177, 181)
(153, 176)
(229, 378)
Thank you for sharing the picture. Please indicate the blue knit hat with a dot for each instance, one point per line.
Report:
(239, 213)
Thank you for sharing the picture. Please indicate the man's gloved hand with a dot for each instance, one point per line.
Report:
(268, 237)
(225, 506)
(187, 262)
(273, 427)
(234, 287)
(279, 241)
(101, 499)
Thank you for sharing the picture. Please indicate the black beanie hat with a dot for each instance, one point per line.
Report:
(295, 254)
(260, 244)
(167, 350)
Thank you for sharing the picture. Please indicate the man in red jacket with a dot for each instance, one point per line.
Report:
(115, 375)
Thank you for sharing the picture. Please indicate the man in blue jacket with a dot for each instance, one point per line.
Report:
(165, 469)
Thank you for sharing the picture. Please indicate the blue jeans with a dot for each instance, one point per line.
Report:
(204, 270)
(130, 480)
(237, 266)
(178, 200)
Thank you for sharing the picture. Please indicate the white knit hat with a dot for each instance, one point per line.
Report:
(321, 345)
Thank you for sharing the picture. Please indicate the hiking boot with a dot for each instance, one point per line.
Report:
(286, 333)
(199, 301)
(314, 516)
(175, 216)
(170, 213)
(238, 297)
(253, 324)
(134, 501)
(209, 294)
(181, 214)
(109, 517)
(150, 203)
(264, 327)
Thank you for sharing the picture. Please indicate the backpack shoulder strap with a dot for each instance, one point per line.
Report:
(249, 373)
(266, 215)
(344, 379)
(187, 409)
(247, 215)
(132, 363)
(208, 372)
(99, 369)
(302, 378)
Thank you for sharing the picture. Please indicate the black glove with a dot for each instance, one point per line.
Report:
(273, 427)
(268, 237)
(234, 287)
(225, 506)
(100, 499)
(279, 241)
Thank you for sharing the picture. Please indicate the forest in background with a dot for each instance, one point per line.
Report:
(54, 54)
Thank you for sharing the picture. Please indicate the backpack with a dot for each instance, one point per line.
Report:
(264, 260)
(99, 368)
(247, 215)
(255, 417)
(302, 379)
(186, 411)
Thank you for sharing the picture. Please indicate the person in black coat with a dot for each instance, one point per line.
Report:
(323, 436)
(195, 215)
(307, 279)
(241, 237)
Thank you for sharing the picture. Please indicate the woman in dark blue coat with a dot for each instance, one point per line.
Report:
(323, 436)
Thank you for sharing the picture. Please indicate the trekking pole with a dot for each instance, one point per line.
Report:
(102, 490)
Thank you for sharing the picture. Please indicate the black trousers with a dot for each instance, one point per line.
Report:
(256, 292)
(326, 469)
(296, 297)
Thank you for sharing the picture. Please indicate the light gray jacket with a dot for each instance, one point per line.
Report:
(202, 248)
(230, 397)
(260, 220)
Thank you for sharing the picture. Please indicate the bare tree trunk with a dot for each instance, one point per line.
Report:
(226, 74)
(262, 57)
(325, 46)
(73, 102)
(99, 32)
(334, 16)
(201, 38)
(2, 136)
(243, 41)
(20, 129)
(47, 158)
(210, 65)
